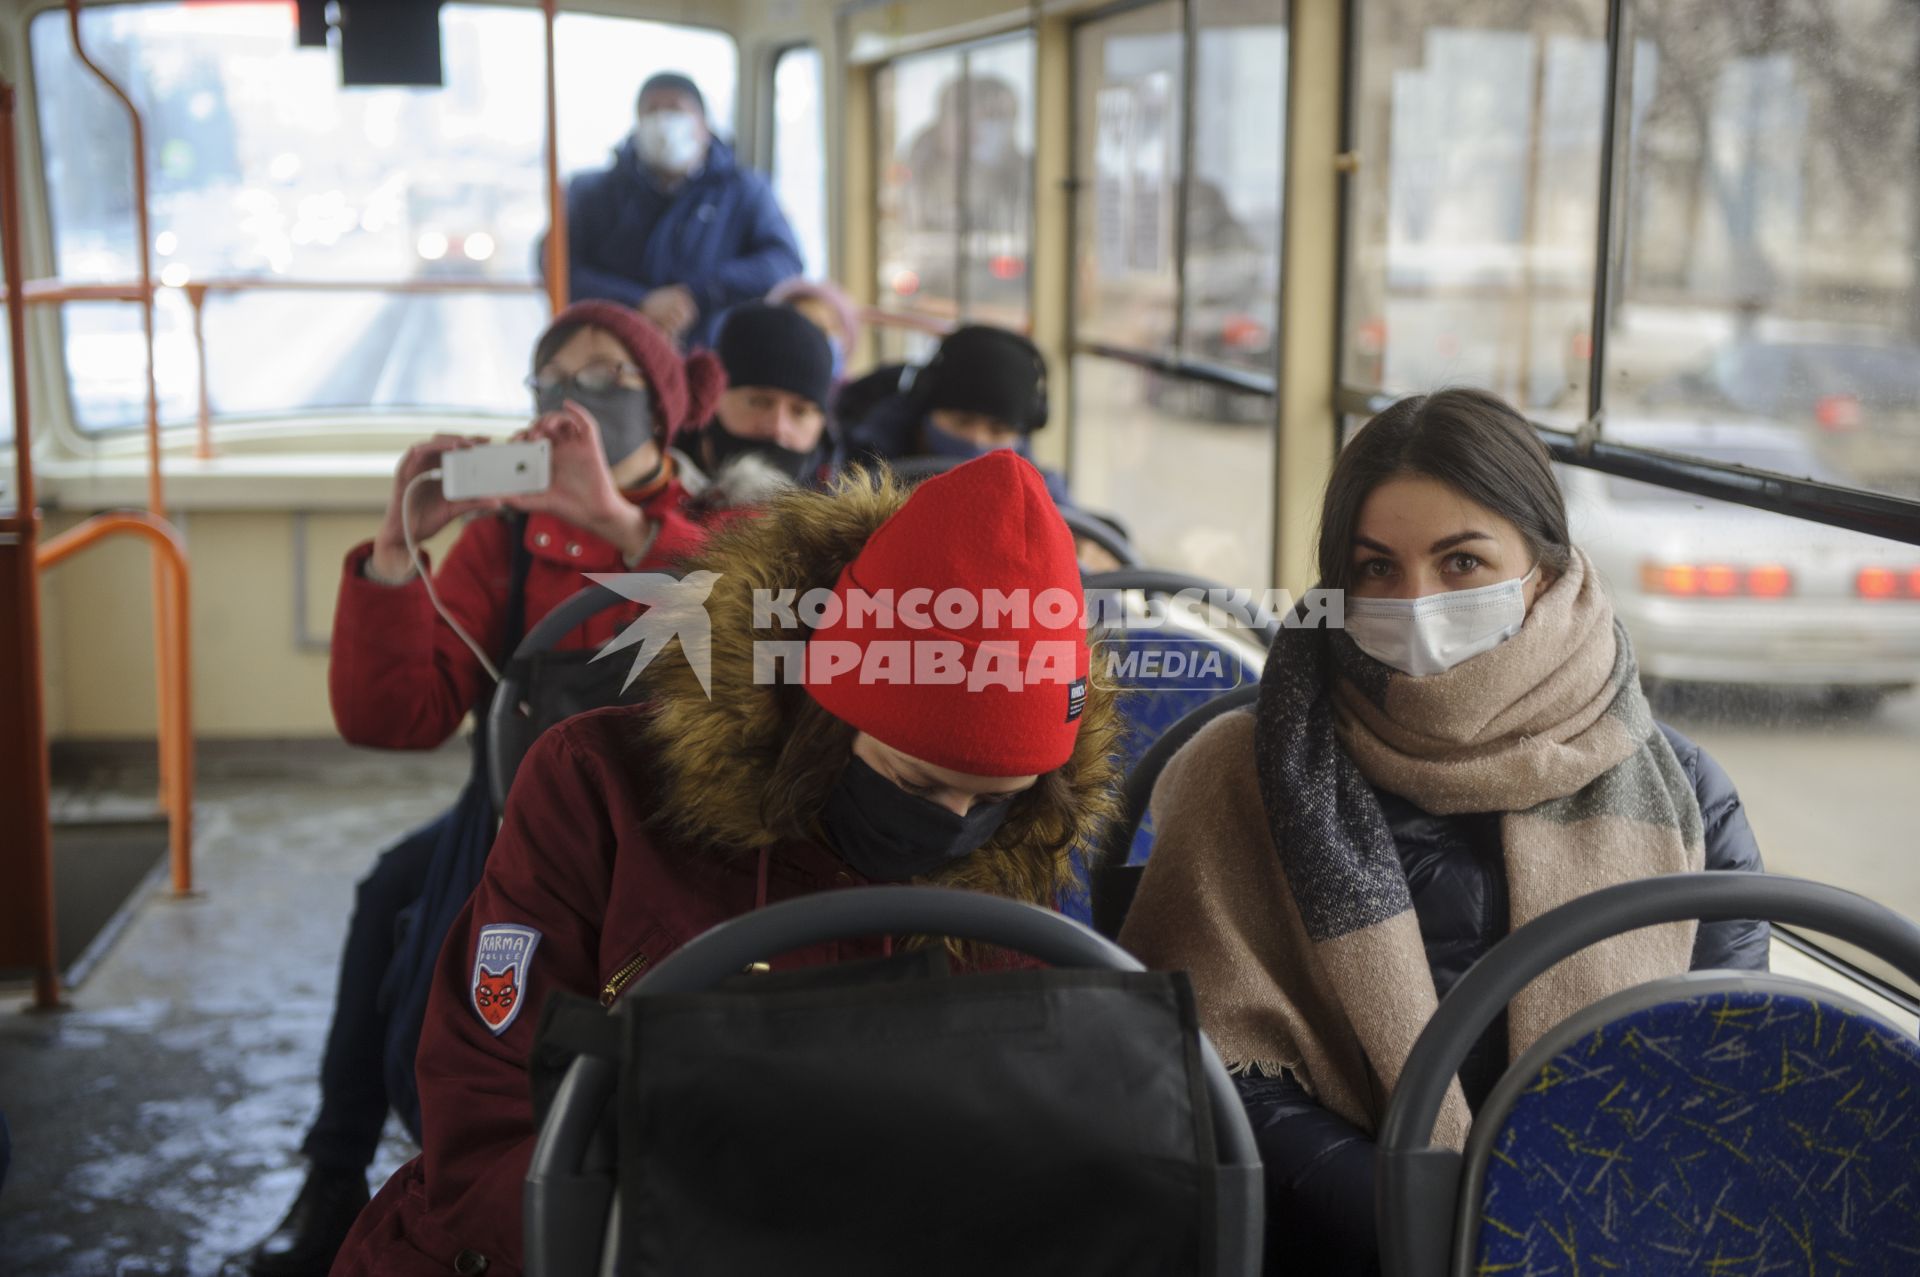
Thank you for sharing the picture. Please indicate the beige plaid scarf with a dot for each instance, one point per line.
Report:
(1318, 969)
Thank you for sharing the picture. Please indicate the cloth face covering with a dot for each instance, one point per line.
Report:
(624, 414)
(724, 446)
(889, 835)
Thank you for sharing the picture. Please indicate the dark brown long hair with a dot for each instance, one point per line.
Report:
(1470, 440)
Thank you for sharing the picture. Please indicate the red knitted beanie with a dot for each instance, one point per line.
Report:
(684, 392)
(959, 636)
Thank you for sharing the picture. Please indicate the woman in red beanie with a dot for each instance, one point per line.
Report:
(935, 724)
(610, 393)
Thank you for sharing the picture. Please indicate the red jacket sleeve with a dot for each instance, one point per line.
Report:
(398, 676)
(550, 874)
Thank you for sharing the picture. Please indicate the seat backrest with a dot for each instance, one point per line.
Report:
(1192, 656)
(1694, 1120)
(1434, 1209)
(539, 686)
(896, 1136)
(1114, 875)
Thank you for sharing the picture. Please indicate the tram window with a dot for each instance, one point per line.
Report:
(1128, 73)
(1234, 195)
(1767, 259)
(264, 170)
(918, 220)
(799, 152)
(1185, 464)
(951, 122)
(1474, 211)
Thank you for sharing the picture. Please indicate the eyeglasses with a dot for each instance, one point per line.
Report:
(597, 376)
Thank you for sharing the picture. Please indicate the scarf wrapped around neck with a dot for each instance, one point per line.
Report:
(1549, 729)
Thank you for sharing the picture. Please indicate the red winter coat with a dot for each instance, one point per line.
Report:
(400, 678)
(630, 831)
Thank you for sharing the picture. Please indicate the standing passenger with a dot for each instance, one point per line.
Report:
(1472, 750)
(631, 831)
(675, 227)
(611, 393)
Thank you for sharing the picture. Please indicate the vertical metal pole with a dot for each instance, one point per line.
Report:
(1183, 197)
(163, 622)
(30, 877)
(203, 418)
(962, 175)
(557, 255)
(1619, 60)
(156, 500)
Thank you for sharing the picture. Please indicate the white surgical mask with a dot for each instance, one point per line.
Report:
(668, 140)
(1434, 633)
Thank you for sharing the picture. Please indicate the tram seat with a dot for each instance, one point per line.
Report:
(539, 686)
(1702, 1123)
(1152, 703)
(1120, 859)
(832, 1121)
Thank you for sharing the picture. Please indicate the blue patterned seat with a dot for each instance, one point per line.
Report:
(1151, 700)
(1713, 1124)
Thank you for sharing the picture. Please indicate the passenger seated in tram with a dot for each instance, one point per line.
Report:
(610, 392)
(676, 228)
(984, 388)
(632, 830)
(779, 381)
(1473, 750)
(831, 311)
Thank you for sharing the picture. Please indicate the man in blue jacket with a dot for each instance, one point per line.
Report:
(676, 228)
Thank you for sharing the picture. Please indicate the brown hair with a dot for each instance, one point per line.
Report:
(1470, 440)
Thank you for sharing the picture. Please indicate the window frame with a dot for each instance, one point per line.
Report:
(767, 122)
(961, 303)
(1854, 509)
(302, 429)
(1174, 362)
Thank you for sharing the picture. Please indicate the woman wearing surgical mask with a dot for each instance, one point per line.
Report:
(1472, 750)
(814, 744)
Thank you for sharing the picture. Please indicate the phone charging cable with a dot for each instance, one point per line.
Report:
(433, 596)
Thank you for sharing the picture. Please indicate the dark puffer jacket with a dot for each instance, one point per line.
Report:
(1320, 1167)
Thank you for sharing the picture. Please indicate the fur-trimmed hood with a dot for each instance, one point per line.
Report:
(719, 757)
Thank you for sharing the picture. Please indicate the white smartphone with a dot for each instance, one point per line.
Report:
(496, 470)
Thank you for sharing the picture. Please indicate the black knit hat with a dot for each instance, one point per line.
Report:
(776, 346)
(986, 370)
(675, 81)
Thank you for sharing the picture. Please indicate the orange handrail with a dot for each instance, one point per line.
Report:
(176, 673)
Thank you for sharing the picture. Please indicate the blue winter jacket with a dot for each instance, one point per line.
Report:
(720, 233)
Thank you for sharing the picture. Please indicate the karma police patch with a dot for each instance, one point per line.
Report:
(502, 957)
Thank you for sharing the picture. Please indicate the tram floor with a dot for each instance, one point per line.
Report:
(157, 1118)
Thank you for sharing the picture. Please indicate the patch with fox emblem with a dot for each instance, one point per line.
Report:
(502, 958)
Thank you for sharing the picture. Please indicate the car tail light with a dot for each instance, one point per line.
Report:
(1005, 266)
(1887, 583)
(1770, 581)
(1243, 332)
(905, 282)
(1837, 413)
(1716, 580)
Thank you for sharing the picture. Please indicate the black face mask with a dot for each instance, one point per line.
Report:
(624, 413)
(889, 835)
(722, 445)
